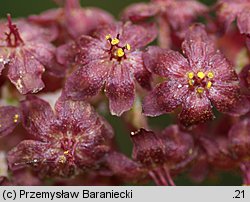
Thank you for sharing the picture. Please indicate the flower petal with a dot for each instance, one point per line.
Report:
(125, 168)
(198, 47)
(25, 71)
(165, 63)
(90, 19)
(243, 22)
(195, 109)
(120, 89)
(9, 118)
(87, 80)
(138, 36)
(139, 12)
(37, 117)
(148, 148)
(224, 96)
(164, 98)
(239, 137)
(26, 153)
(82, 120)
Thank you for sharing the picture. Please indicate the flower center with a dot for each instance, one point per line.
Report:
(200, 81)
(116, 51)
(68, 146)
(13, 38)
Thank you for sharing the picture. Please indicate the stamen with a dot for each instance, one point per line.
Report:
(66, 152)
(191, 82)
(201, 75)
(115, 41)
(120, 52)
(190, 75)
(210, 75)
(16, 118)
(128, 47)
(108, 37)
(200, 90)
(209, 85)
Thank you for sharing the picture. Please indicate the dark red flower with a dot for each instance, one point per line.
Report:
(9, 118)
(73, 19)
(70, 141)
(230, 10)
(109, 57)
(203, 77)
(239, 137)
(25, 49)
(170, 150)
(179, 14)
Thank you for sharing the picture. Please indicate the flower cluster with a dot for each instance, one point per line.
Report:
(60, 68)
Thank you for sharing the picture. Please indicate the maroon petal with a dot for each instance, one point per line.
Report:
(248, 43)
(25, 71)
(9, 118)
(26, 153)
(239, 136)
(37, 118)
(124, 167)
(243, 22)
(179, 145)
(65, 54)
(164, 98)
(87, 81)
(165, 63)
(139, 36)
(90, 19)
(224, 96)
(196, 109)
(45, 54)
(182, 13)
(120, 89)
(198, 47)
(148, 148)
(81, 119)
(141, 74)
(139, 12)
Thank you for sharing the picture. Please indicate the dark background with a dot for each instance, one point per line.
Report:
(23, 8)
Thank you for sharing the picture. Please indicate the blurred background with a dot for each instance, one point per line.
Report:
(23, 8)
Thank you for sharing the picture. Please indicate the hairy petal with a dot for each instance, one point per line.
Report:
(37, 118)
(148, 148)
(243, 22)
(224, 96)
(25, 71)
(164, 98)
(195, 109)
(120, 89)
(26, 153)
(165, 63)
(125, 168)
(9, 118)
(139, 12)
(80, 118)
(87, 81)
(139, 36)
(239, 137)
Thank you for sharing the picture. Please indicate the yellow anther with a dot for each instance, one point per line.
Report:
(108, 37)
(128, 47)
(201, 75)
(209, 84)
(62, 159)
(0, 125)
(210, 75)
(191, 82)
(16, 118)
(115, 41)
(200, 90)
(190, 75)
(120, 52)
(66, 152)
